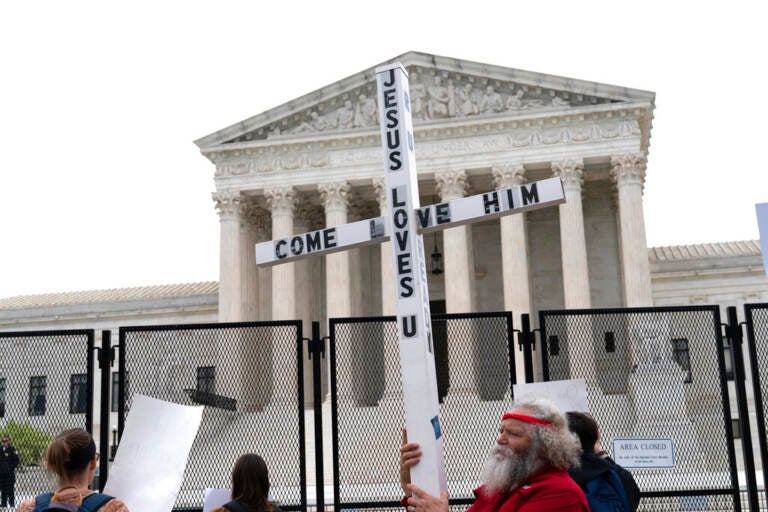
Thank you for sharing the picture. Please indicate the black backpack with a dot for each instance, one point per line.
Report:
(91, 503)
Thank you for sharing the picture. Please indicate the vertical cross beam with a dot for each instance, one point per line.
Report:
(417, 360)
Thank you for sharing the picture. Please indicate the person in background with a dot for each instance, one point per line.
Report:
(250, 487)
(9, 461)
(595, 463)
(527, 471)
(72, 458)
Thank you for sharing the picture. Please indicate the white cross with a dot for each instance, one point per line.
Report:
(404, 225)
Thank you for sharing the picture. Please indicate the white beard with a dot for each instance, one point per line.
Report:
(505, 470)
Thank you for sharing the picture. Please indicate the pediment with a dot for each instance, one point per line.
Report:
(442, 90)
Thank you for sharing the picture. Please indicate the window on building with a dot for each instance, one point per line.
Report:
(206, 379)
(36, 396)
(728, 358)
(681, 355)
(116, 389)
(78, 393)
(2, 397)
(736, 428)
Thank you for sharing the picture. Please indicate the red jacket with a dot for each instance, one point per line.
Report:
(552, 490)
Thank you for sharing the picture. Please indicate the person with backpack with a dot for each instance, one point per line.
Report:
(250, 487)
(608, 486)
(72, 458)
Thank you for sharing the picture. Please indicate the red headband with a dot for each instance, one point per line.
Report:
(528, 419)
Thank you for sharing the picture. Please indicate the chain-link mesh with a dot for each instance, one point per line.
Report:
(46, 386)
(757, 331)
(246, 376)
(653, 374)
(472, 358)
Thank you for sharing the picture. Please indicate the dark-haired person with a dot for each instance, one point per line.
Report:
(9, 460)
(250, 487)
(72, 457)
(594, 461)
(527, 471)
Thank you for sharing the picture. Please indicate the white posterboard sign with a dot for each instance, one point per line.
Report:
(762, 226)
(641, 452)
(214, 498)
(568, 395)
(153, 451)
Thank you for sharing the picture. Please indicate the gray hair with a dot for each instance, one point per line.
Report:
(557, 446)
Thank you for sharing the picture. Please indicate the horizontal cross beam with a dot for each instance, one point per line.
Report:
(465, 210)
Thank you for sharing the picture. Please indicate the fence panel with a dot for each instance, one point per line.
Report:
(654, 374)
(46, 386)
(474, 359)
(756, 316)
(250, 378)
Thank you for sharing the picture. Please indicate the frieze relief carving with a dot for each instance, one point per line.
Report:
(524, 134)
(434, 94)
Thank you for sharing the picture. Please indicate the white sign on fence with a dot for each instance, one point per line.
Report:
(568, 395)
(152, 455)
(640, 452)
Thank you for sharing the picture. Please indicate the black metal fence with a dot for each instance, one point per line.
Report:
(650, 373)
(46, 386)
(250, 378)
(474, 359)
(655, 374)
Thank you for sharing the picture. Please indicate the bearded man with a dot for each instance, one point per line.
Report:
(527, 470)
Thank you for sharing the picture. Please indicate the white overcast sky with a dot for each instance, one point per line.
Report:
(101, 185)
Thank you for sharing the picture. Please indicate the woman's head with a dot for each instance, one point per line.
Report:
(71, 453)
(250, 481)
(585, 427)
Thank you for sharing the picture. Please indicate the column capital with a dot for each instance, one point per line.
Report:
(335, 195)
(628, 168)
(281, 200)
(570, 171)
(451, 184)
(227, 203)
(508, 175)
(380, 188)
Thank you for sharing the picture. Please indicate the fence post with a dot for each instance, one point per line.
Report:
(733, 332)
(526, 340)
(105, 364)
(316, 350)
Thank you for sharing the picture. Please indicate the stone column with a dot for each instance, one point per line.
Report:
(338, 296)
(387, 278)
(228, 206)
(282, 351)
(256, 355)
(514, 256)
(629, 173)
(573, 244)
(249, 214)
(457, 247)
(573, 247)
(459, 275)
(282, 202)
(262, 223)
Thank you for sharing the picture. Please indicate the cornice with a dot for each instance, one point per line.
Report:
(441, 128)
(508, 134)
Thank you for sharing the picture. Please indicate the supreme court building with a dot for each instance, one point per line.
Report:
(317, 162)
